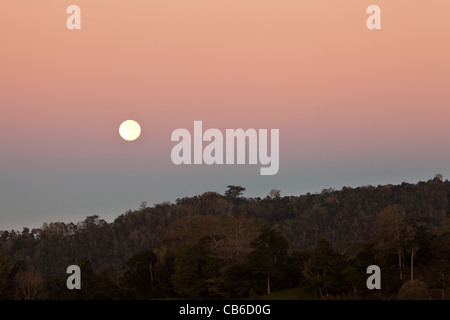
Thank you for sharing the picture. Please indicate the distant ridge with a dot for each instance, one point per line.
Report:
(344, 217)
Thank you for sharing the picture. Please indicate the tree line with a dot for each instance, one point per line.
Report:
(217, 246)
(210, 257)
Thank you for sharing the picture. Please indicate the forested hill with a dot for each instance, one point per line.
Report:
(344, 217)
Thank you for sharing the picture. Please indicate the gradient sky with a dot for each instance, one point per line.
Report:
(354, 106)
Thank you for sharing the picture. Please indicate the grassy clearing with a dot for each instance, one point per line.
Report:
(288, 294)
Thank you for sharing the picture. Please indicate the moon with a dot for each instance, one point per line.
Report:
(129, 130)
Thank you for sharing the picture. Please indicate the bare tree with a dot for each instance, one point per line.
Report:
(390, 232)
(274, 194)
(27, 285)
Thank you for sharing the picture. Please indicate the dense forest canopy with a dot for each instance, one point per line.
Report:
(216, 235)
(345, 216)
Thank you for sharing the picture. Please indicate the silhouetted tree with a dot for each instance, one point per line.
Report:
(6, 270)
(324, 269)
(139, 274)
(270, 253)
(234, 192)
(194, 266)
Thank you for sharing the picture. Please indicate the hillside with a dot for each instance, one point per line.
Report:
(343, 216)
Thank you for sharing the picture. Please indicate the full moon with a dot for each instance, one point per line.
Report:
(129, 130)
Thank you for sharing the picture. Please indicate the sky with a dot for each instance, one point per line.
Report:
(353, 106)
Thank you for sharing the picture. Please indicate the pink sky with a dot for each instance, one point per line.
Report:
(352, 105)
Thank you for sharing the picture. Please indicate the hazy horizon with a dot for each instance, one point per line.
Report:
(110, 215)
